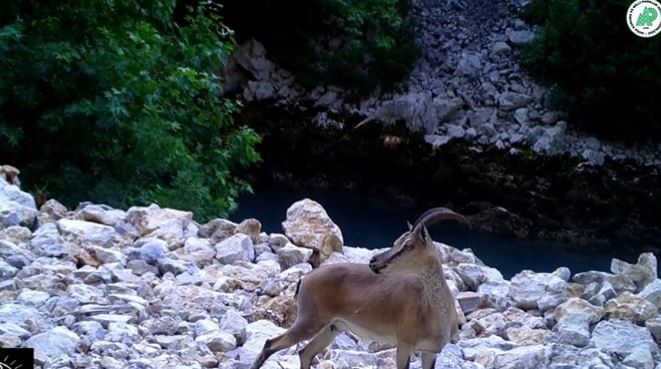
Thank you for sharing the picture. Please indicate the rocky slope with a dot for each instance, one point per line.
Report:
(468, 85)
(151, 288)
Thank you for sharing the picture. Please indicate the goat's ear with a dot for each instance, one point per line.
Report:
(422, 232)
(424, 235)
(410, 225)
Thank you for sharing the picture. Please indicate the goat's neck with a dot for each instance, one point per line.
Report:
(436, 288)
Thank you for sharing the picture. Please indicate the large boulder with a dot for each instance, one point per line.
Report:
(47, 241)
(474, 275)
(642, 273)
(549, 141)
(570, 357)
(542, 291)
(640, 358)
(16, 207)
(102, 214)
(291, 255)
(621, 337)
(497, 293)
(574, 317)
(23, 316)
(598, 293)
(239, 247)
(525, 336)
(652, 293)
(309, 225)
(198, 250)
(234, 324)
(217, 230)
(217, 341)
(630, 307)
(86, 233)
(619, 283)
(55, 342)
(251, 227)
(166, 224)
(51, 211)
(526, 357)
(654, 326)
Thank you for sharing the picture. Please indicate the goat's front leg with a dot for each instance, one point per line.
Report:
(317, 344)
(403, 356)
(428, 360)
(301, 330)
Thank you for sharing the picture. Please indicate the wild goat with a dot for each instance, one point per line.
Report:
(400, 298)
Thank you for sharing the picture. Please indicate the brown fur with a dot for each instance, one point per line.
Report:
(401, 295)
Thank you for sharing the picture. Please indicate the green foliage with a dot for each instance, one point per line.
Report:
(357, 44)
(606, 77)
(376, 43)
(112, 101)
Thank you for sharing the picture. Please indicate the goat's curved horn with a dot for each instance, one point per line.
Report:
(434, 215)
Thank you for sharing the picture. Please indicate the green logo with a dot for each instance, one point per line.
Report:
(644, 18)
(647, 17)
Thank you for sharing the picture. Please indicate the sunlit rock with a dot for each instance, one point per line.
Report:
(309, 225)
(574, 317)
(630, 307)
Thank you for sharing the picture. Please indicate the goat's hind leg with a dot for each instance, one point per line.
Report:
(403, 356)
(428, 360)
(298, 332)
(317, 344)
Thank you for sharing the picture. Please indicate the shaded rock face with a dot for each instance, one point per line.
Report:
(155, 289)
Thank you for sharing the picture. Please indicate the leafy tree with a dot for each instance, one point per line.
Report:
(606, 77)
(357, 44)
(115, 102)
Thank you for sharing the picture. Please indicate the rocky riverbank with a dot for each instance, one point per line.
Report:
(150, 288)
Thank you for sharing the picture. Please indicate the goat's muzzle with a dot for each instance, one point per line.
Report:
(375, 265)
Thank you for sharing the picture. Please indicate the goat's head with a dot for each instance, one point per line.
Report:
(414, 249)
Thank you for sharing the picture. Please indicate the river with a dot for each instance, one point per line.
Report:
(376, 223)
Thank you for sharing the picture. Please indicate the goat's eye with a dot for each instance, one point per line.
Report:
(409, 246)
